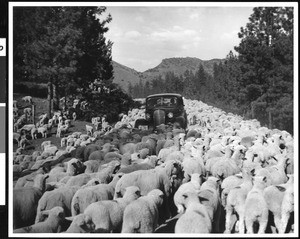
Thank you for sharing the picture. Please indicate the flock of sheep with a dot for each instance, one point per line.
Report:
(221, 175)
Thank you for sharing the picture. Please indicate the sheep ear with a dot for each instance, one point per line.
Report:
(202, 199)
(281, 189)
(69, 218)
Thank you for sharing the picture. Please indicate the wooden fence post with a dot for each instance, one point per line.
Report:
(270, 120)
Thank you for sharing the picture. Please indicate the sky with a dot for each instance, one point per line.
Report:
(143, 36)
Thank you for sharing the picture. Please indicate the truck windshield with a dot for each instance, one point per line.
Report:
(165, 101)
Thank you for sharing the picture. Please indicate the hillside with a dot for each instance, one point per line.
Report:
(123, 74)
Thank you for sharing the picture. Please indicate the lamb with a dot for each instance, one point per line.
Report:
(192, 186)
(27, 98)
(141, 215)
(52, 224)
(107, 215)
(89, 130)
(85, 196)
(236, 202)
(25, 202)
(256, 208)
(43, 130)
(80, 224)
(61, 130)
(196, 218)
(17, 137)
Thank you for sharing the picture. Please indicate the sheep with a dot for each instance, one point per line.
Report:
(274, 196)
(287, 207)
(58, 197)
(148, 163)
(52, 224)
(80, 224)
(27, 98)
(89, 129)
(85, 196)
(141, 215)
(25, 202)
(256, 208)
(23, 143)
(210, 190)
(43, 130)
(192, 186)
(61, 130)
(17, 137)
(236, 202)
(107, 215)
(196, 218)
(166, 177)
(276, 173)
(45, 143)
(227, 167)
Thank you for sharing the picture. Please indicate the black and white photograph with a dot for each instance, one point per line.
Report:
(168, 119)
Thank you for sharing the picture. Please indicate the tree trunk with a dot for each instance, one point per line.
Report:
(55, 98)
(49, 97)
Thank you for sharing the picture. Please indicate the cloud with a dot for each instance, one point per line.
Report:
(132, 34)
(229, 35)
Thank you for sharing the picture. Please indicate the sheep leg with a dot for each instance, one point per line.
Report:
(262, 226)
(277, 221)
(228, 223)
(284, 221)
(242, 222)
(249, 225)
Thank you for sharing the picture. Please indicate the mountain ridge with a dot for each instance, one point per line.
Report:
(123, 75)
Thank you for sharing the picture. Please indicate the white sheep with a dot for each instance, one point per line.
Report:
(107, 215)
(236, 202)
(166, 177)
(196, 218)
(89, 130)
(210, 190)
(142, 214)
(274, 195)
(80, 224)
(27, 99)
(287, 207)
(256, 208)
(52, 224)
(87, 195)
(193, 186)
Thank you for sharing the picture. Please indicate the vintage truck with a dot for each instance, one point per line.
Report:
(164, 108)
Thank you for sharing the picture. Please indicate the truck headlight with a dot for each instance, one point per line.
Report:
(170, 115)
